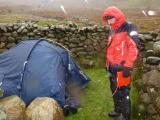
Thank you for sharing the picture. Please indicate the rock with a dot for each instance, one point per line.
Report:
(7, 34)
(14, 34)
(156, 48)
(2, 45)
(158, 37)
(44, 29)
(21, 29)
(14, 107)
(158, 67)
(155, 117)
(153, 60)
(148, 37)
(149, 53)
(88, 63)
(141, 108)
(82, 38)
(3, 39)
(141, 37)
(3, 115)
(149, 45)
(3, 28)
(10, 45)
(71, 24)
(16, 27)
(152, 92)
(151, 109)
(51, 35)
(30, 34)
(158, 103)
(154, 34)
(82, 53)
(44, 108)
(24, 31)
(11, 39)
(72, 45)
(145, 98)
(152, 78)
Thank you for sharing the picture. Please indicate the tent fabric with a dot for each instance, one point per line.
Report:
(37, 68)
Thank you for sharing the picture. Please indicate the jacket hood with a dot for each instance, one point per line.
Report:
(117, 13)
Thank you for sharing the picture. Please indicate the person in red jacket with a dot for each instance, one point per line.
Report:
(121, 53)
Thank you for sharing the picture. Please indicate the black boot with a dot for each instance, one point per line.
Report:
(66, 110)
(120, 118)
(113, 114)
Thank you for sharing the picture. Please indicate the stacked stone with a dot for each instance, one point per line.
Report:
(86, 42)
(149, 91)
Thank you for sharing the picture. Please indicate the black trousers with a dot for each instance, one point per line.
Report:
(121, 96)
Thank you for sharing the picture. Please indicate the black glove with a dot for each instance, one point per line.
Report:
(126, 71)
(115, 68)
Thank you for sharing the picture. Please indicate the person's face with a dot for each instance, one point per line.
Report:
(111, 21)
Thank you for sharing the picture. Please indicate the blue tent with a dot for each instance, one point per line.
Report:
(36, 68)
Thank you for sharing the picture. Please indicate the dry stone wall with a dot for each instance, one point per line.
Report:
(149, 89)
(85, 42)
(90, 42)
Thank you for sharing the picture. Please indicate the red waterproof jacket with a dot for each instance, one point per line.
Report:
(122, 44)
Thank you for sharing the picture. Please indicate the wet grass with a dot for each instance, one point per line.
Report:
(13, 18)
(42, 21)
(97, 100)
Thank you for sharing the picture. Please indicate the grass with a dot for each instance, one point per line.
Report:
(144, 24)
(97, 100)
(6, 19)
(13, 18)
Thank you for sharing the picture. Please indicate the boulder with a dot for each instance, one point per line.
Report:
(148, 37)
(149, 45)
(13, 107)
(145, 98)
(158, 103)
(149, 53)
(156, 48)
(151, 109)
(152, 78)
(44, 108)
(3, 115)
(153, 60)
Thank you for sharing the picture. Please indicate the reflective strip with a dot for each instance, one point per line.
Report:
(122, 48)
(133, 33)
(127, 97)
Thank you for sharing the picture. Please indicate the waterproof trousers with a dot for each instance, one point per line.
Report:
(121, 96)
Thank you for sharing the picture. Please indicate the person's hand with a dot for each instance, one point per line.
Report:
(126, 71)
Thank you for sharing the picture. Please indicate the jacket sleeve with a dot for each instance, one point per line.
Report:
(132, 32)
(132, 53)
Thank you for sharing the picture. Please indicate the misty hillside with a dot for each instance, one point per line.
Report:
(97, 4)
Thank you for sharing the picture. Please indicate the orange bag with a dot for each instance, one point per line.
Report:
(122, 81)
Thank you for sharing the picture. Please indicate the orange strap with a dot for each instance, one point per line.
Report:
(122, 81)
